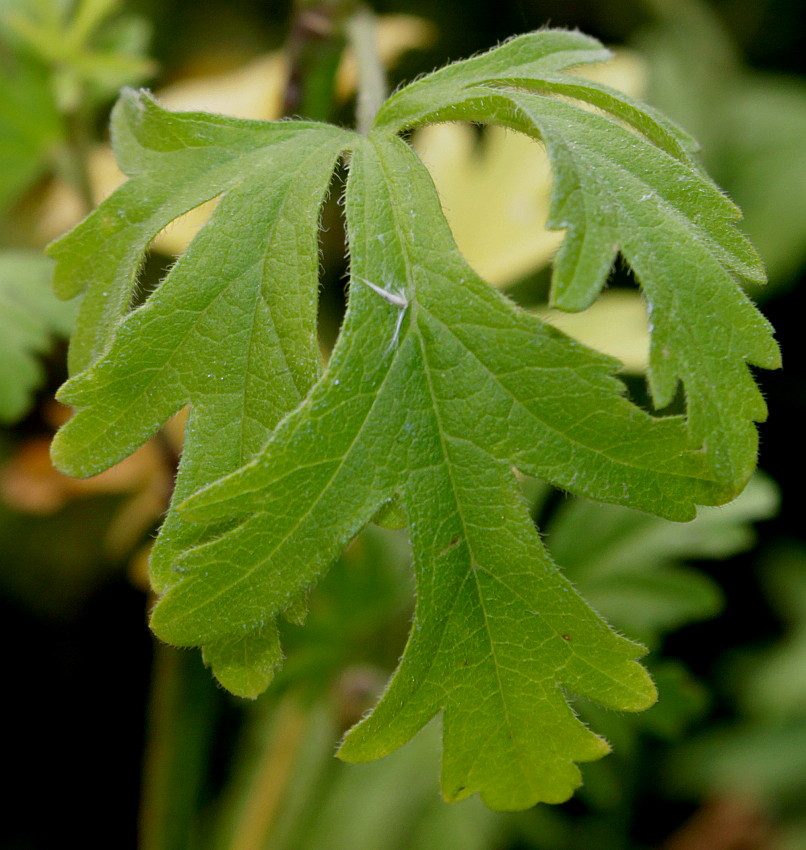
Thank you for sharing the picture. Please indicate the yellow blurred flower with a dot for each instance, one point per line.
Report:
(494, 190)
(615, 324)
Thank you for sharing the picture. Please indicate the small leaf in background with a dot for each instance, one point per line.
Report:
(59, 63)
(752, 127)
(30, 126)
(85, 43)
(765, 168)
(760, 755)
(628, 564)
(30, 318)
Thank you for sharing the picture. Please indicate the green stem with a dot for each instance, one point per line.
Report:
(261, 804)
(362, 37)
(180, 730)
(73, 158)
(315, 44)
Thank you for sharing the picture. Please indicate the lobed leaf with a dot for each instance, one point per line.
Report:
(624, 182)
(175, 162)
(439, 416)
(438, 387)
(538, 61)
(232, 329)
(676, 231)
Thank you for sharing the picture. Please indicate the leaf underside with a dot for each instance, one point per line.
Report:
(437, 389)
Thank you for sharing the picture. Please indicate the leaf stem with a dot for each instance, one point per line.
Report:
(73, 159)
(362, 37)
(271, 776)
(181, 720)
(316, 41)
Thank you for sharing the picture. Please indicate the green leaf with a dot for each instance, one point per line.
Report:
(246, 667)
(438, 387)
(29, 318)
(628, 186)
(752, 127)
(30, 126)
(496, 627)
(89, 50)
(675, 230)
(536, 61)
(176, 162)
(767, 169)
(247, 287)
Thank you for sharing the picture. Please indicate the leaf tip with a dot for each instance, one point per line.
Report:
(245, 685)
(643, 693)
(67, 459)
(245, 664)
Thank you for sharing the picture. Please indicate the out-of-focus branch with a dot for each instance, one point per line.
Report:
(316, 41)
(363, 39)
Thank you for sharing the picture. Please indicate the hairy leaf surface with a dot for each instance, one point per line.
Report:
(176, 162)
(625, 183)
(232, 329)
(438, 387)
(497, 629)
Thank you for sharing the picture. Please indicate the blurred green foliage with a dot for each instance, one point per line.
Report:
(751, 125)
(29, 317)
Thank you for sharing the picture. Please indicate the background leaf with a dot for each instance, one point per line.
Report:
(30, 317)
(627, 564)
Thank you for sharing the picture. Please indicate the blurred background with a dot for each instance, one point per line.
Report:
(116, 742)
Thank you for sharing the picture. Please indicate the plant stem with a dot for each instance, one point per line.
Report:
(315, 44)
(73, 159)
(181, 719)
(272, 776)
(362, 37)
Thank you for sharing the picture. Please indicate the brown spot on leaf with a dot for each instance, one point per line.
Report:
(450, 546)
